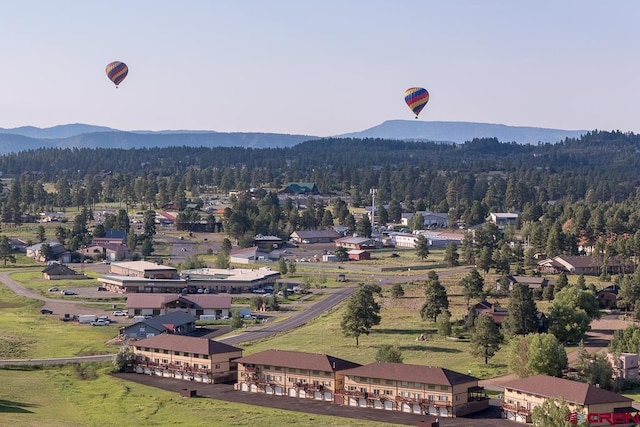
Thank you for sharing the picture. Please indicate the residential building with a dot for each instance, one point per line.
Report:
(597, 406)
(177, 322)
(315, 236)
(608, 297)
(625, 366)
(57, 271)
(106, 250)
(144, 304)
(430, 219)
(358, 255)
(356, 243)
(58, 252)
(186, 358)
(300, 188)
(586, 265)
(111, 237)
(292, 373)
(252, 255)
(412, 388)
(502, 219)
(533, 282)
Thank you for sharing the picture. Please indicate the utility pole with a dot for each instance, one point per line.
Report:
(373, 193)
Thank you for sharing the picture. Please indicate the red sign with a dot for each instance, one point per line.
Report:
(610, 418)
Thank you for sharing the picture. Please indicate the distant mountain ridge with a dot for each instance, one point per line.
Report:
(460, 132)
(80, 135)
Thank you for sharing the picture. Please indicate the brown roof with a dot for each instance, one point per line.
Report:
(412, 373)
(187, 344)
(298, 360)
(571, 391)
(205, 301)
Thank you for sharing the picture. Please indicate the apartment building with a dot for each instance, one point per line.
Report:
(186, 358)
(417, 389)
(590, 404)
(292, 373)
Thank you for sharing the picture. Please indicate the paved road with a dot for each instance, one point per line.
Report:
(296, 320)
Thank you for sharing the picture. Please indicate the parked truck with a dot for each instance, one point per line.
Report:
(87, 318)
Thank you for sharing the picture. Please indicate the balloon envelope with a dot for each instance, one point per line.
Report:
(416, 98)
(117, 71)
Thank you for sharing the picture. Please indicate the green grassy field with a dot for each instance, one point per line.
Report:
(401, 325)
(85, 395)
(25, 333)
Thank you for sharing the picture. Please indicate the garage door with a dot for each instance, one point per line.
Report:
(268, 389)
(317, 395)
(302, 394)
(293, 392)
(388, 405)
(244, 387)
(353, 401)
(406, 407)
(417, 409)
(279, 390)
(377, 404)
(328, 396)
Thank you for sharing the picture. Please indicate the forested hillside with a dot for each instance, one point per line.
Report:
(588, 183)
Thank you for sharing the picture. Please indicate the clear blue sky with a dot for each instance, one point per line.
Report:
(320, 67)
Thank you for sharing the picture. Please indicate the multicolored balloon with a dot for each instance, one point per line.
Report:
(416, 98)
(117, 71)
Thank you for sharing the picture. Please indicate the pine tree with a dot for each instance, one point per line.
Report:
(522, 309)
(362, 313)
(485, 338)
(436, 298)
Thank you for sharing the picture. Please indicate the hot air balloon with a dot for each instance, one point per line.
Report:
(117, 71)
(416, 98)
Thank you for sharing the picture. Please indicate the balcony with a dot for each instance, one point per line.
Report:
(519, 409)
(352, 393)
(172, 367)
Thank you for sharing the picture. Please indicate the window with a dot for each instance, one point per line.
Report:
(363, 389)
(165, 351)
(443, 398)
(388, 392)
(351, 388)
(146, 349)
(304, 371)
(388, 382)
(431, 397)
(417, 385)
(278, 368)
(376, 380)
(292, 370)
(417, 396)
(266, 367)
(431, 386)
(404, 383)
(217, 366)
(165, 361)
(363, 379)
(315, 372)
(376, 392)
(444, 388)
(404, 393)
(327, 383)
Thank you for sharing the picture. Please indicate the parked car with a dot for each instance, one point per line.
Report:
(54, 289)
(120, 313)
(46, 311)
(68, 292)
(100, 322)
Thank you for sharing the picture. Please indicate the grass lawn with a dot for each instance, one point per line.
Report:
(401, 325)
(25, 333)
(84, 395)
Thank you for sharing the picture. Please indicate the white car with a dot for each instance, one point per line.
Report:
(120, 313)
(100, 322)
